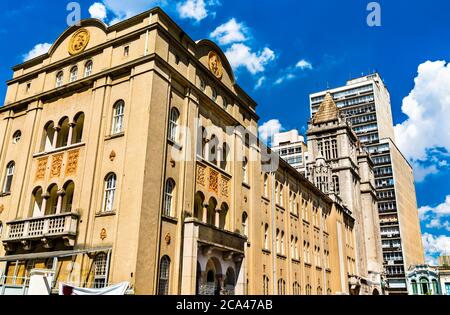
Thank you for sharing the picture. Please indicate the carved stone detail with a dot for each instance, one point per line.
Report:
(213, 181)
(225, 186)
(201, 170)
(55, 170)
(72, 162)
(41, 168)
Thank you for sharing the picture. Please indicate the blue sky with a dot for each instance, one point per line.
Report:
(294, 48)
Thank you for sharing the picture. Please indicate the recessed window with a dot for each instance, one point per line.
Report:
(88, 68)
(59, 79)
(118, 116)
(214, 94)
(28, 88)
(74, 74)
(9, 177)
(109, 193)
(177, 59)
(17, 136)
(202, 85)
(126, 51)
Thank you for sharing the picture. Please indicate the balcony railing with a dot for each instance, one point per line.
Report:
(43, 228)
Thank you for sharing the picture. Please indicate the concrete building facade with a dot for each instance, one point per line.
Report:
(128, 153)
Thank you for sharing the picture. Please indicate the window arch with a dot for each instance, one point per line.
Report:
(281, 287)
(78, 126)
(67, 201)
(37, 202)
(223, 217)
(118, 117)
(266, 285)
(59, 79)
(212, 151)
(48, 135)
(63, 133)
(168, 197)
(73, 74)
(173, 124)
(9, 177)
(52, 201)
(224, 157)
(164, 272)
(109, 192)
(88, 68)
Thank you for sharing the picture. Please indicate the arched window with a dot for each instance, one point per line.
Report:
(88, 68)
(168, 198)
(77, 133)
(173, 124)
(282, 243)
(110, 192)
(223, 217)
(278, 241)
(202, 85)
(67, 201)
(266, 285)
(281, 287)
(47, 136)
(414, 286)
(266, 237)
(36, 203)
(52, 201)
(63, 133)
(224, 157)
(59, 79)
(245, 223)
(245, 170)
(266, 185)
(118, 117)
(296, 254)
(100, 270)
(212, 151)
(337, 189)
(9, 177)
(17, 136)
(214, 94)
(164, 272)
(73, 74)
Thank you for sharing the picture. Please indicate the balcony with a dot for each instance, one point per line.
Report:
(43, 229)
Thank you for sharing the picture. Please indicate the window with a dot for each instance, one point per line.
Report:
(164, 271)
(110, 192)
(245, 170)
(266, 185)
(282, 243)
(278, 241)
(126, 51)
(281, 195)
(59, 79)
(173, 124)
(296, 288)
(336, 185)
(67, 200)
(224, 159)
(9, 177)
(28, 87)
(77, 132)
(414, 286)
(281, 287)
(202, 85)
(266, 285)
(88, 68)
(119, 113)
(74, 74)
(168, 198)
(214, 94)
(266, 237)
(245, 223)
(100, 270)
(17, 136)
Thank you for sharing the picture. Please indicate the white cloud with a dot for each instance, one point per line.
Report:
(240, 55)
(284, 78)
(230, 32)
(304, 65)
(98, 11)
(436, 217)
(37, 50)
(435, 245)
(421, 172)
(192, 9)
(260, 82)
(268, 129)
(424, 137)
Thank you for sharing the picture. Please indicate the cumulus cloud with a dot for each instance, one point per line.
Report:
(435, 245)
(268, 129)
(98, 11)
(196, 9)
(436, 217)
(424, 137)
(240, 55)
(304, 65)
(37, 50)
(230, 32)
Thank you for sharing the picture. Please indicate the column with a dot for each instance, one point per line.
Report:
(40, 212)
(205, 213)
(61, 194)
(71, 128)
(55, 137)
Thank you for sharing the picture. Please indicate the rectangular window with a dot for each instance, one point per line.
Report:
(126, 51)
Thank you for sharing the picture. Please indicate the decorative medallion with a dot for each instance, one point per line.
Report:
(41, 167)
(112, 156)
(79, 41)
(168, 239)
(103, 234)
(215, 64)
(72, 162)
(55, 170)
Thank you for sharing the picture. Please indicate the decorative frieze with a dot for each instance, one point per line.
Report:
(41, 168)
(72, 162)
(201, 175)
(213, 181)
(57, 161)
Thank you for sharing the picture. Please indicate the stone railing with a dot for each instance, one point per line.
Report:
(42, 229)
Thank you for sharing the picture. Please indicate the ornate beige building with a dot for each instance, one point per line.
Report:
(128, 154)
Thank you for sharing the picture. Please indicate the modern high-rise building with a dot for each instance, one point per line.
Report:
(365, 103)
(291, 147)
